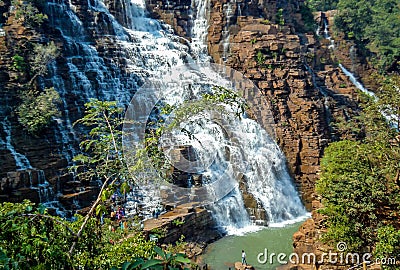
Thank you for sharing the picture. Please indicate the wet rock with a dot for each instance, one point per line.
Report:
(195, 223)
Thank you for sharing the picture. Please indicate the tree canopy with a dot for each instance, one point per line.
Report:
(360, 180)
(374, 25)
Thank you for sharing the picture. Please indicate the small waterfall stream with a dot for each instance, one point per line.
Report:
(21, 161)
(390, 119)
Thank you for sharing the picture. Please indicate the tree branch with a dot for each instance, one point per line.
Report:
(53, 219)
(96, 202)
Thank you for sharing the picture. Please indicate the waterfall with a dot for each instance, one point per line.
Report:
(356, 82)
(325, 25)
(391, 119)
(199, 31)
(225, 33)
(147, 49)
(226, 147)
(21, 161)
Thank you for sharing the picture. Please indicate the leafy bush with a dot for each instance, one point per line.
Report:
(42, 56)
(388, 242)
(30, 238)
(37, 109)
(359, 182)
(29, 13)
(321, 5)
(260, 58)
(373, 25)
(279, 17)
(308, 18)
(18, 63)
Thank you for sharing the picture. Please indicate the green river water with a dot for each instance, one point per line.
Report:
(223, 253)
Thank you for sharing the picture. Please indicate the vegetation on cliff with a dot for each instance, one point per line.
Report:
(374, 25)
(31, 238)
(29, 65)
(360, 180)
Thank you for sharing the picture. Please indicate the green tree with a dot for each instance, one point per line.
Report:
(18, 63)
(374, 25)
(389, 98)
(102, 153)
(359, 183)
(29, 13)
(30, 238)
(37, 109)
(353, 17)
(321, 5)
(38, 106)
(388, 244)
(41, 57)
(383, 32)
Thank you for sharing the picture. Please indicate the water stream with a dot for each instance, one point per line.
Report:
(223, 253)
(391, 119)
(149, 49)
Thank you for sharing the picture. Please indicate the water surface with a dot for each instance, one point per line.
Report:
(223, 253)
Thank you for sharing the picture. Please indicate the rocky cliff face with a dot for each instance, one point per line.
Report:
(17, 145)
(91, 65)
(296, 71)
(306, 91)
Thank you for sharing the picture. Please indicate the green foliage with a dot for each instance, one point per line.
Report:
(164, 260)
(359, 182)
(42, 56)
(321, 5)
(178, 222)
(388, 242)
(18, 63)
(279, 17)
(32, 239)
(374, 25)
(102, 147)
(260, 58)
(29, 13)
(389, 98)
(159, 232)
(308, 18)
(215, 101)
(37, 109)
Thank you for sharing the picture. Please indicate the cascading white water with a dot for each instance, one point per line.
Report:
(356, 82)
(258, 158)
(390, 118)
(225, 34)
(199, 33)
(255, 155)
(21, 161)
(150, 48)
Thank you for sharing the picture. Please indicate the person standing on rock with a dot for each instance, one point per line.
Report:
(244, 258)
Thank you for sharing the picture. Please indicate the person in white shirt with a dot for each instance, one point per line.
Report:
(244, 258)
